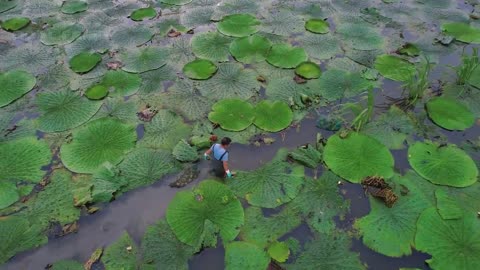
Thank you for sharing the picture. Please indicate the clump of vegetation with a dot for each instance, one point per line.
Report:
(417, 84)
(469, 64)
(362, 113)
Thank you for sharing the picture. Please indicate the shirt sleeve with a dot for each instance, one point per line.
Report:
(225, 157)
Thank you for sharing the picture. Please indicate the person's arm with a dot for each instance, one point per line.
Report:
(206, 155)
(225, 166)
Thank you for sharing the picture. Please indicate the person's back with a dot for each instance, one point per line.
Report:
(220, 158)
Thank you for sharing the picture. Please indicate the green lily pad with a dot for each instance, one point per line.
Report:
(165, 130)
(287, 90)
(360, 36)
(307, 155)
(122, 83)
(212, 201)
(134, 36)
(15, 84)
(318, 26)
(96, 92)
(100, 141)
(243, 255)
(335, 84)
(320, 46)
(443, 165)
(6, 5)
(410, 50)
(144, 59)
(15, 24)
(74, 6)
(447, 206)
(211, 46)
(282, 23)
(279, 251)
(358, 156)
(152, 81)
(122, 254)
(462, 32)
(453, 243)
(199, 69)
(84, 62)
(143, 13)
(64, 110)
(22, 159)
(450, 114)
(176, 2)
(286, 56)
(8, 194)
(395, 68)
(185, 152)
(67, 265)
(238, 25)
(232, 114)
(251, 49)
(61, 33)
(308, 70)
(272, 116)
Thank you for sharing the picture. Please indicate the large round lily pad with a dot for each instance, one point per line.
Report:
(358, 156)
(15, 84)
(199, 69)
(212, 46)
(211, 201)
(245, 256)
(15, 24)
(336, 83)
(61, 33)
(100, 141)
(272, 116)
(8, 194)
(143, 13)
(462, 32)
(238, 25)
(74, 6)
(176, 2)
(96, 92)
(84, 62)
(443, 165)
(165, 130)
(393, 67)
(122, 83)
(144, 59)
(250, 49)
(308, 70)
(450, 114)
(232, 114)
(318, 26)
(286, 56)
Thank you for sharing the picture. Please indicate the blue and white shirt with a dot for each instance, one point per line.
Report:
(219, 153)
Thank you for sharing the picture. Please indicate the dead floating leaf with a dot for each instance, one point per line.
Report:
(173, 33)
(190, 32)
(299, 79)
(129, 248)
(69, 228)
(147, 114)
(93, 259)
(377, 187)
(261, 79)
(114, 65)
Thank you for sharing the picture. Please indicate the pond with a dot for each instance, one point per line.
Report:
(355, 128)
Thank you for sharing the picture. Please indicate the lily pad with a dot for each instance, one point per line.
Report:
(8, 194)
(318, 26)
(452, 243)
(61, 33)
(335, 84)
(132, 36)
(308, 70)
(176, 2)
(64, 110)
(15, 84)
(462, 32)
(243, 255)
(282, 23)
(238, 25)
(395, 68)
(96, 92)
(100, 141)
(185, 152)
(6, 5)
(122, 83)
(443, 165)
(450, 114)
(307, 155)
(143, 13)
(232, 114)
(251, 49)
(199, 69)
(144, 59)
(279, 251)
(210, 201)
(447, 206)
(74, 6)
(15, 24)
(358, 156)
(152, 81)
(272, 116)
(410, 50)
(211, 46)
(286, 56)
(360, 36)
(122, 254)
(84, 62)
(165, 130)
(67, 265)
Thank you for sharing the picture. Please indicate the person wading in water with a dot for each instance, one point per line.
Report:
(220, 158)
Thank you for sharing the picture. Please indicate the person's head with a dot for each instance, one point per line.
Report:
(226, 141)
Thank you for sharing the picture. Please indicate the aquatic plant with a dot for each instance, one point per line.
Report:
(417, 84)
(466, 69)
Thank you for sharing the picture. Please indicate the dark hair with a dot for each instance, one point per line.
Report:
(226, 141)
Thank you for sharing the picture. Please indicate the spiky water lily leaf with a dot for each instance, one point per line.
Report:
(307, 155)
(320, 46)
(279, 251)
(226, 7)
(453, 244)
(57, 77)
(120, 109)
(319, 202)
(241, 137)
(330, 252)
(96, 42)
(15, 84)
(251, 49)
(17, 235)
(450, 114)
(8, 194)
(410, 50)
(132, 36)
(358, 156)
(74, 6)
(6, 5)
(243, 255)
(84, 62)
(23, 159)
(143, 167)
(211, 46)
(282, 23)
(15, 24)
(443, 165)
(462, 32)
(391, 128)
(165, 130)
(23, 128)
(29, 57)
(122, 83)
(64, 110)
(287, 90)
(185, 152)
(335, 84)
(198, 16)
(96, 92)
(271, 185)
(199, 69)
(162, 249)
(67, 265)
(152, 81)
(231, 81)
(360, 36)
(176, 2)
(166, 25)
(308, 70)
(97, 142)
(393, 67)
(61, 33)
(122, 254)
(143, 13)
(238, 25)
(318, 26)
(272, 116)
(106, 182)
(211, 201)
(232, 114)
(286, 56)
(144, 59)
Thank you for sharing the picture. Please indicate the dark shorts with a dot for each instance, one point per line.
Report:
(217, 168)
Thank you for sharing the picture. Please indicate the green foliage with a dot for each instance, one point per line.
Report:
(447, 206)
(176, 2)
(360, 36)
(211, 46)
(67, 265)
(15, 84)
(450, 114)
(106, 182)
(232, 114)
(164, 131)
(74, 6)
(6, 5)
(15, 24)
(132, 36)
(466, 70)
(8, 194)
(307, 155)
(245, 256)
(199, 69)
(462, 32)
(286, 56)
(121, 255)
(144, 59)
(362, 113)
(238, 25)
(279, 251)
(185, 152)
(272, 116)
(335, 84)
(395, 68)
(308, 70)
(152, 81)
(410, 50)
(84, 62)
(143, 13)
(96, 92)
(251, 49)
(122, 83)
(418, 83)
(317, 26)
(61, 33)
